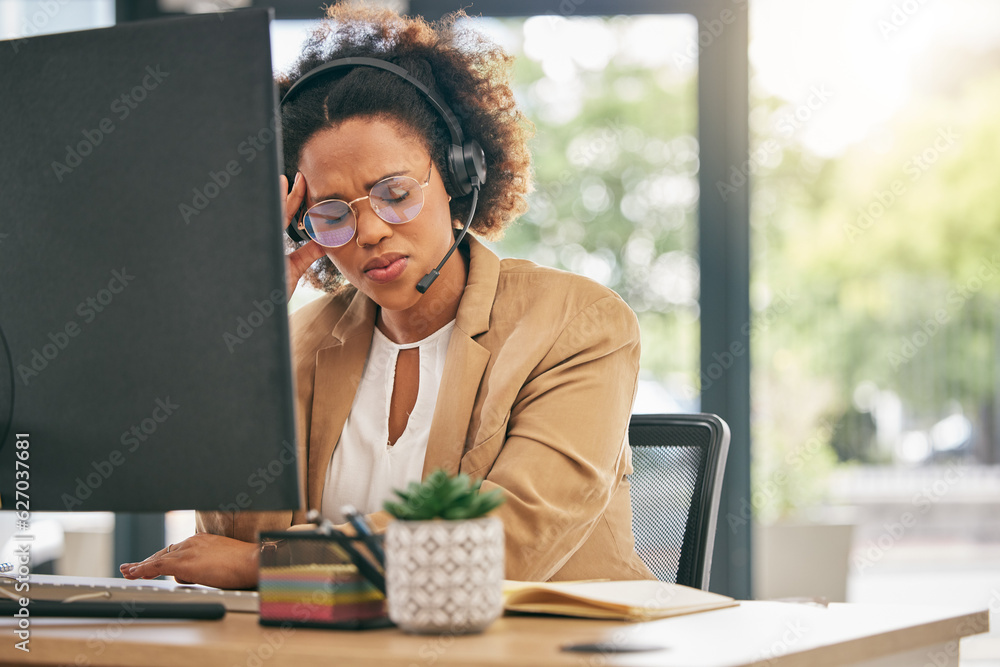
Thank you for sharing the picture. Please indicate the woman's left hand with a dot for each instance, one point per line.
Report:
(204, 558)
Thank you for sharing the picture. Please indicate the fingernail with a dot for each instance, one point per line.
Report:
(298, 175)
(132, 570)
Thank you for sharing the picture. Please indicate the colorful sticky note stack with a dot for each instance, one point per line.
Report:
(318, 593)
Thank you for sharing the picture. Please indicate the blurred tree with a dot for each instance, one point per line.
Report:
(895, 253)
(616, 163)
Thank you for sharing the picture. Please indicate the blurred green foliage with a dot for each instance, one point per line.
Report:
(894, 247)
(885, 252)
(616, 161)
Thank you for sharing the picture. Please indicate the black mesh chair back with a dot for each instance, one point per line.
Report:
(678, 462)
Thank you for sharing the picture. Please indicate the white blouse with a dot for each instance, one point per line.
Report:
(364, 469)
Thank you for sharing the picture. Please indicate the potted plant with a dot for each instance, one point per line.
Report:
(444, 556)
(801, 543)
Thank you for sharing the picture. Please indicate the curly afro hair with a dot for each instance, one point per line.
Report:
(468, 70)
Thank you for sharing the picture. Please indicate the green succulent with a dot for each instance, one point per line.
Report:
(443, 497)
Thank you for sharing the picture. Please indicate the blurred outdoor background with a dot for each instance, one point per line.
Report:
(875, 276)
(875, 281)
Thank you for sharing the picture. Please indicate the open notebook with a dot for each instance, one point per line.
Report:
(98, 589)
(621, 600)
(639, 600)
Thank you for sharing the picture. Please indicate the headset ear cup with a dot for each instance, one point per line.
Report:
(466, 167)
(461, 184)
(475, 162)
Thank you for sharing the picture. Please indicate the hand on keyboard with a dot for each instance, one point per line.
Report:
(211, 560)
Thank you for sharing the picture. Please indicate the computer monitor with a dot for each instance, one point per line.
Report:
(144, 347)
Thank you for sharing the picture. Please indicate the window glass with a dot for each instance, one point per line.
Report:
(876, 292)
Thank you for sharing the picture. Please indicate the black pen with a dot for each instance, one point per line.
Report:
(365, 567)
(365, 532)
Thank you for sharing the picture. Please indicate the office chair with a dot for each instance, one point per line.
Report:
(678, 462)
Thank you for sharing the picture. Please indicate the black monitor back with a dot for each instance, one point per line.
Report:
(144, 353)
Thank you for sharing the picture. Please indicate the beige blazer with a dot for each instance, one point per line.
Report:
(535, 399)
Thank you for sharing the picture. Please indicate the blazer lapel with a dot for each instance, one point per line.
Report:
(463, 371)
(466, 363)
(338, 374)
(339, 367)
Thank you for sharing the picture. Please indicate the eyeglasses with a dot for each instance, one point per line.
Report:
(397, 199)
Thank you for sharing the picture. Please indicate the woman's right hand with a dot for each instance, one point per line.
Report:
(302, 258)
(203, 558)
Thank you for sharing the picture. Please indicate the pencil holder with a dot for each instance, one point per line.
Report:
(308, 579)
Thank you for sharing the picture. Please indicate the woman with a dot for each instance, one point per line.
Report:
(517, 374)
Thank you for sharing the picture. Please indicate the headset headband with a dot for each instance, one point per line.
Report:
(436, 101)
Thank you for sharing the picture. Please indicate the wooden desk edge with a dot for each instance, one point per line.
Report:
(930, 634)
(228, 645)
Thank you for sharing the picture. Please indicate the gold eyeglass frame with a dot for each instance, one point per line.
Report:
(350, 204)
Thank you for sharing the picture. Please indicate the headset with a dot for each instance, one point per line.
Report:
(465, 158)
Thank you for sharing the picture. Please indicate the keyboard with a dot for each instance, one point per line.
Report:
(94, 589)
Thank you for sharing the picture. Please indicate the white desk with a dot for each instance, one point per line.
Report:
(755, 633)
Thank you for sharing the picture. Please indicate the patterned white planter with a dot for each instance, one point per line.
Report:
(444, 576)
